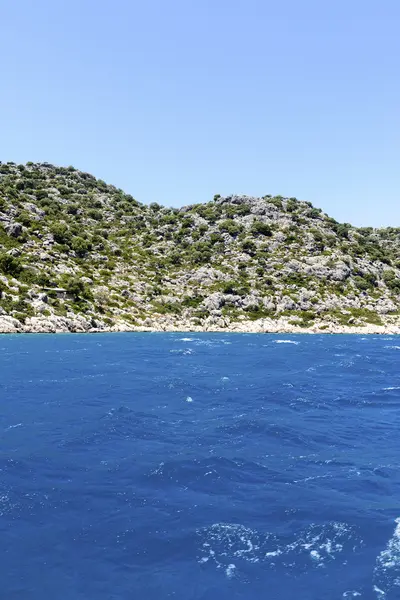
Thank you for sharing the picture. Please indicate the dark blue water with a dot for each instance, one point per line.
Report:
(196, 467)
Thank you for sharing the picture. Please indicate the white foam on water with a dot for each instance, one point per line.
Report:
(14, 426)
(394, 387)
(158, 470)
(6, 506)
(286, 342)
(311, 478)
(224, 541)
(4, 499)
(230, 570)
(387, 569)
(211, 343)
(351, 594)
(321, 543)
(182, 352)
(392, 347)
(274, 553)
(186, 339)
(390, 557)
(314, 546)
(189, 399)
(346, 363)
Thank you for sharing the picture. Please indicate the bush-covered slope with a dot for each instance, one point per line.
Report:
(72, 246)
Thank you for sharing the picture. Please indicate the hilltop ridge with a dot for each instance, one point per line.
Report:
(77, 254)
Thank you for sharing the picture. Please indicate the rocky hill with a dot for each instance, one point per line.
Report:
(77, 254)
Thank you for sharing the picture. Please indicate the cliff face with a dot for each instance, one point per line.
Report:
(78, 254)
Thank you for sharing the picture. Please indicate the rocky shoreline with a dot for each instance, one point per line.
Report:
(78, 324)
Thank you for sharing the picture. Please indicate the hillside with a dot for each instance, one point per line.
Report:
(77, 254)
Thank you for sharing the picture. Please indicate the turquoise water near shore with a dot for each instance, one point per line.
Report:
(199, 466)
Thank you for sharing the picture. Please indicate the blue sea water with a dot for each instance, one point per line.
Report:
(199, 467)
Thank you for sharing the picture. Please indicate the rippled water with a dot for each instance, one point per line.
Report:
(204, 467)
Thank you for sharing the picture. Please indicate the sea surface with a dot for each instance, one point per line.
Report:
(199, 467)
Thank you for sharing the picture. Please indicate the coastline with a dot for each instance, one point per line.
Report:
(46, 325)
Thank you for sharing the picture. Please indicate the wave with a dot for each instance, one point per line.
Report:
(226, 544)
(274, 432)
(204, 474)
(119, 423)
(380, 398)
(387, 569)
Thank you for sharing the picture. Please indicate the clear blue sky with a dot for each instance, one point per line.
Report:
(177, 100)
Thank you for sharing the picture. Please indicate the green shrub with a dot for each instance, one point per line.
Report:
(175, 258)
(40, 194)
(361, 283)
(10, 265)
(215, 238)
(276, 201)
(314, 213)
(23, 307)
(230, 226)
(80, 246)
(95, 214)
(192, 302)
(229, 287)
(260, 228)
(291, 205)
(249, 247)
(78, 289)
(61, 233)
(167, 308)
(367, 315)
(258, 313)
(72, 209)
(342, 229)
(392, 281)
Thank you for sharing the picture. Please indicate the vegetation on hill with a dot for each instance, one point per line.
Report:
(73, 246)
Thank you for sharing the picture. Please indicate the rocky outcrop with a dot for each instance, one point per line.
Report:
(14, 229)
(10, 325)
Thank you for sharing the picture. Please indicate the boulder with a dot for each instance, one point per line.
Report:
(15, 252)
(286, 303)
(214, 301)
(10, 325)
(14, 229)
